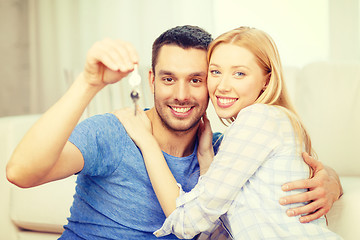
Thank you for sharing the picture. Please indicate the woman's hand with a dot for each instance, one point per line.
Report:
(137, 126)
(205, 151)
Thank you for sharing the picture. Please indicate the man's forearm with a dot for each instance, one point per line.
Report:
(335, 182)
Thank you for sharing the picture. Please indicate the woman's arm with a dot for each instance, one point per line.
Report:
(162, 180)
(139, 129)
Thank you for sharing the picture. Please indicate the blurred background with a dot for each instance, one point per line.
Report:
(43, 43)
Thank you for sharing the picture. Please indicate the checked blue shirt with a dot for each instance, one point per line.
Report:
(242, 187)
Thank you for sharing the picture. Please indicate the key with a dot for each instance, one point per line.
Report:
(134, 82)
(135, 97)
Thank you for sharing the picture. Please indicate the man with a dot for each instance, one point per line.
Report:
(114, 198)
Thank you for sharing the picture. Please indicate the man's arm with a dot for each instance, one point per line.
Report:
(324, 189)
(44, 154)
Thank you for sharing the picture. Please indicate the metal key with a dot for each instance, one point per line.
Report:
(135, 97)
(134, 82)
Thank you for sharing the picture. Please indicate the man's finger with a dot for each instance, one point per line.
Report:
(299, 184)
(313, 216)
(298, 198)
(306, 209)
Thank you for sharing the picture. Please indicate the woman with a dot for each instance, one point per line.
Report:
(261, 150)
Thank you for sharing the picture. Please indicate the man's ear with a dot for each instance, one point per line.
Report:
(151, 79)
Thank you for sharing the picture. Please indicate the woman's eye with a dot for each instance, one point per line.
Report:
(239, 74)
(215, 72)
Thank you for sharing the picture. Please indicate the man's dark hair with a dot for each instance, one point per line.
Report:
(183, 36)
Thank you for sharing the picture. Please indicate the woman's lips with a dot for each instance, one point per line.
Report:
(225, 102)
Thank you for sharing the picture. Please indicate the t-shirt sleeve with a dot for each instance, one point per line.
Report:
(99, 140)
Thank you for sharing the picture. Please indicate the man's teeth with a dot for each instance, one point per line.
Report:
(181, 109)
(227, 100)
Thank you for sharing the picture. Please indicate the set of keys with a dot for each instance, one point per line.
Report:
(134, 82)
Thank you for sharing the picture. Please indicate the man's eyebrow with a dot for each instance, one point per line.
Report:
(165, 72)
(194, 74)
(199, 74)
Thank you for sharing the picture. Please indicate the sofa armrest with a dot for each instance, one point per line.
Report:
(12, 129)
(43, 208)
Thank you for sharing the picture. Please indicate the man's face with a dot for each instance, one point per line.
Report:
(179, 87)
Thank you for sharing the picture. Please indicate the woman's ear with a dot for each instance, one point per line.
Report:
(151, 79)
(267, 80)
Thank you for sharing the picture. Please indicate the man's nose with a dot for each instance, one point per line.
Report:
(182, 92)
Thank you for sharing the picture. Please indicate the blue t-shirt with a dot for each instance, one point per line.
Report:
(114, 197)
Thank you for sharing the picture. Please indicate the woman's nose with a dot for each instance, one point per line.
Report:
(224, 84)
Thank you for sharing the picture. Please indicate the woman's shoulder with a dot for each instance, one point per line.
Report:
(262, 116)
(264, 110)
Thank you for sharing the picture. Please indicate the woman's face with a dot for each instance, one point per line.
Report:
(235, 80)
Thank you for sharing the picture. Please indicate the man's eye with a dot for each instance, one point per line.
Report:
(168, 79)
(195, 80)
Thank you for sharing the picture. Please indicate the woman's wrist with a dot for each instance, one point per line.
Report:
(205, 159)
(146, 141)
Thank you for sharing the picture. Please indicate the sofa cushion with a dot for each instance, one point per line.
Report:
(328, 101)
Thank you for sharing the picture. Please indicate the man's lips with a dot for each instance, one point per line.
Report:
(181, 111)
(225, 102)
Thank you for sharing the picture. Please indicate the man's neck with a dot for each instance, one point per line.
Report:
(175, 143)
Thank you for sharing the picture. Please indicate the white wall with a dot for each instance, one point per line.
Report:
(304, 31)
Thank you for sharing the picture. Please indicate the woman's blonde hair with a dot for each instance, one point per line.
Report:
(267, 56)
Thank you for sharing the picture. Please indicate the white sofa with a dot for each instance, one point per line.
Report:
(327, 96)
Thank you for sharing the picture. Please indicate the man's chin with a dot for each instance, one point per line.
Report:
(181, 126)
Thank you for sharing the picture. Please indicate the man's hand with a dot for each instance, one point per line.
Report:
(324, 189)
(108, 61)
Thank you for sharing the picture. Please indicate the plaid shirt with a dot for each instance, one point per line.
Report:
(240, 192)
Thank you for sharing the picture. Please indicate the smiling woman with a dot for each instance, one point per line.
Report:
(235, 79)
